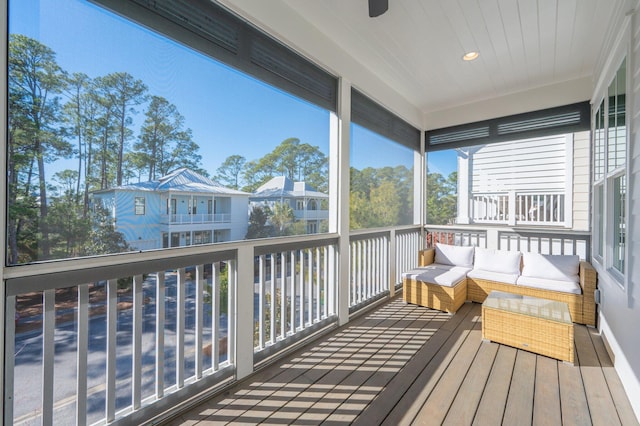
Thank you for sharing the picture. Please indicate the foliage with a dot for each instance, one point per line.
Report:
(442, 198)
(230, 170)
(282, 219)
(293, 159)
(258, 227)
(381, 197)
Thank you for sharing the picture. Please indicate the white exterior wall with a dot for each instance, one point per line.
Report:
(239, 217)
(619, 310)
(581, 180)
(536, 164)
(141, 229)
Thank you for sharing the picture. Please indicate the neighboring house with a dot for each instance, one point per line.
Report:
(541, 181)
(309, 205)
(180, 209)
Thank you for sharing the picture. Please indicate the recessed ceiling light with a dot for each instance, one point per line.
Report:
(470, 56)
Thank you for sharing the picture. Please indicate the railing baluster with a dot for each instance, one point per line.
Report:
(294, 307)
(283, 294)
(199, 318)
(273, 304)
(180, 326)
(160, 326)
(215, 315)
(317, 283)
(325, 282)
(9, 357)
(309, 285)
(232, 279)
(136, 356)
(112, 319)
(302, 289)
(82, 344)
(48, 354)
(261, 301)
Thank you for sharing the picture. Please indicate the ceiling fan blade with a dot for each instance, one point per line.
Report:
(377, 7)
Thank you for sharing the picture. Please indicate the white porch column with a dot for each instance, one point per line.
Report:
(243, 314)
(464, 181)
(339, 195)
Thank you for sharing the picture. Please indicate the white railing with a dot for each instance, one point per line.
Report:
(573, 243)
(181, 219)
(371, 268)
(119, 342)
(518, 208)
(294, 291)
(538, 241)
(87, 342)
(311, 214)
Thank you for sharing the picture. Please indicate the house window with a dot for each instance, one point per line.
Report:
(609, 176)
(299, 204)
(139, 206)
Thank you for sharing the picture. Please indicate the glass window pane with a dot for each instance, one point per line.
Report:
(619, 222)
(598, 136)
(152, 116)
(442, 187)
(381, 181)
(599, 236)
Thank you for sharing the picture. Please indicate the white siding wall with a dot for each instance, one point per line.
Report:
(239, 217)
(620, 306)
(535, 164)
(581, 181)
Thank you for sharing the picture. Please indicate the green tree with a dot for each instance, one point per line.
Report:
(293, 159)
(257, 224)
(69, 227)
(164, 143)
(103, 238)
(281, 218)
(124, 92)
(441, 198)
(35, 81)
(230, 170)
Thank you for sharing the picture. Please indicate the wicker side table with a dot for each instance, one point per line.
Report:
(536, 325)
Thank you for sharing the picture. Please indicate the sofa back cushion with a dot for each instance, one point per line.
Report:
(454, 255)
(551, 267)
(501, 261)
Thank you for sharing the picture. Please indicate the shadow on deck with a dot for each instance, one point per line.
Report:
(405, 364)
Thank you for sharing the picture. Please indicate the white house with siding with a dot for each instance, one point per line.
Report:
(308, 204)
(180, 209)
(539, 181)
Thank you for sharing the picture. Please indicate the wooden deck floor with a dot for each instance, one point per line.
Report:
(404, 364)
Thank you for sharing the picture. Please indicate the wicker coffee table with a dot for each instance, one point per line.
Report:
(530, 323)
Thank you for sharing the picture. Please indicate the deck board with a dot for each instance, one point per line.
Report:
(405, 364)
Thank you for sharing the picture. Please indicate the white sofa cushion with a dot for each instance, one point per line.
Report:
(501, 261)
(436, 274)
(551, 267)
(554, 285)
(454, 255)
(493, 276)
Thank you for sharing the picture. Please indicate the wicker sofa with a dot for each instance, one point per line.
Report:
(445, 285)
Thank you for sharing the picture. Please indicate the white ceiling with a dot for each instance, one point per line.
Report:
(416, 47)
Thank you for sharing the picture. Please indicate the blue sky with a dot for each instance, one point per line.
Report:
(228, 112)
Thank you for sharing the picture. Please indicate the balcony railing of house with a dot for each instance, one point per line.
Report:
(372, 254)
(311, 214)
(518, 208)
(536, 241)
(122, 339)
(182, 219)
